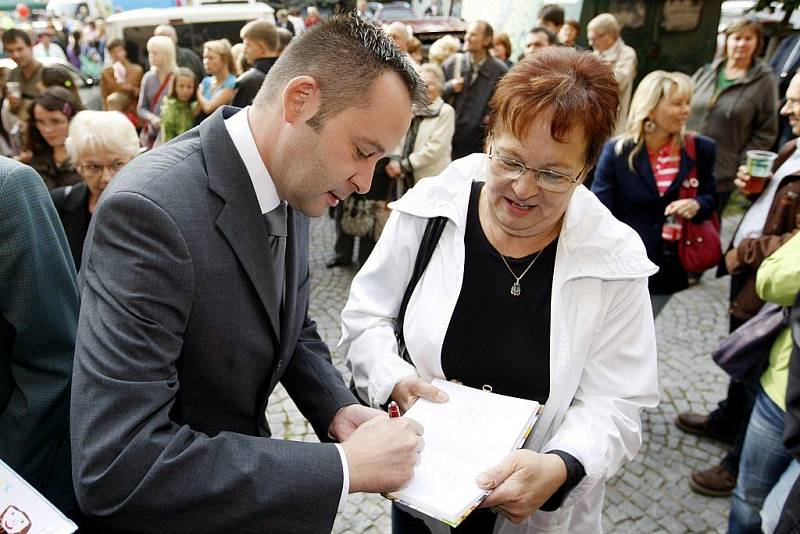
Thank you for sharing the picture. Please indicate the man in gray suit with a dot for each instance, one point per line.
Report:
(195, 288)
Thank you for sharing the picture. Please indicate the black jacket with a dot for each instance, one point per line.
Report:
(248, 83)
(632, 196)
(72, 205)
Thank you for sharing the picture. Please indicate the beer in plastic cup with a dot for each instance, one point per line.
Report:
(14, 89)
(671, 231)
(759, 167)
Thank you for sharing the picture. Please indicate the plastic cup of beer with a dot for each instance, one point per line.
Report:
(14, 89)
(759, 167)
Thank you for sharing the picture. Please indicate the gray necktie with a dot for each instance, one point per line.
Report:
(276, 234)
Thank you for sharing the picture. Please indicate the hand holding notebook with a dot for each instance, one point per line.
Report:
(472, 432)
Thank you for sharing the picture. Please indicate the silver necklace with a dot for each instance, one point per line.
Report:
(516, 288)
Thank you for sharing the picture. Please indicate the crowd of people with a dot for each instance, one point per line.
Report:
(571, 202)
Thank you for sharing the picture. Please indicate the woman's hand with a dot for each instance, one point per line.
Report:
(522, 483)
(408, 390)
(685, 207)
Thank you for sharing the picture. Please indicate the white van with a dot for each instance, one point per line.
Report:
(195, 25)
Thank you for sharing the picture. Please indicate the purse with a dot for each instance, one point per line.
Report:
(745, 353)
(699, 247)
(433, 231)
(358, 217)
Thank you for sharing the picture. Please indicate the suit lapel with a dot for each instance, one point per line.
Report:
(240, 220)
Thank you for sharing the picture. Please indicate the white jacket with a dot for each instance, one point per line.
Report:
(602, 339)
(432, 147)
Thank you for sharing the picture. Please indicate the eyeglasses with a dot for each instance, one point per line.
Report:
(94, 170)
(512, 169)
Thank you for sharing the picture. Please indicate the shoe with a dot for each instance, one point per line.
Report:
(713, 482)
(338, 262)
(697, 424)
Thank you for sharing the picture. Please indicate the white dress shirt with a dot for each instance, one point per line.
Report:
(239, 129)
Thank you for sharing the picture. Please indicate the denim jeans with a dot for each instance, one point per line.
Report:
(764, 459)
(773, 505)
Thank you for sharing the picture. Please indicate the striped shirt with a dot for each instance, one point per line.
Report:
(665, 163)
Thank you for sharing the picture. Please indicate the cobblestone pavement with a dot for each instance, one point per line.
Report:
(651, 493)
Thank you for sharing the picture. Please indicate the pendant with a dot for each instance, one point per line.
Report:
(516, 289)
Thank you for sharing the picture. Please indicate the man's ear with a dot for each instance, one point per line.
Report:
(300, 99)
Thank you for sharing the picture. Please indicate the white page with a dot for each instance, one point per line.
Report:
(464, 436)
(21, 504)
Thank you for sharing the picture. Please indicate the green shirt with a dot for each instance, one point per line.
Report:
(778, 281)
(176, 117)
(723, 82)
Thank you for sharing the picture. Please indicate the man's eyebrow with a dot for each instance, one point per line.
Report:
(374, 144)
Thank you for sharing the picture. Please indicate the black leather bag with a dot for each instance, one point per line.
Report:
(433, 231)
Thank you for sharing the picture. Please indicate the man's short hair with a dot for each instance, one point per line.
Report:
(551, 37)
(167, 30)
(486, 28)
(553, 14)
(12, 35)
(345, 55)
(115, 43)
(263, 31)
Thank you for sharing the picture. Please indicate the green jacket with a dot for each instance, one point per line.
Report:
(778, 281)
(38, 320)
(742, 117)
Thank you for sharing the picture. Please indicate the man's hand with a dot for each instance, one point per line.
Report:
(685, 207)
(393, 169)
(155, 121)
(349, 418)
(381, 454)
(522, 483)
(732, 261)
(408, 390)
(457, 84)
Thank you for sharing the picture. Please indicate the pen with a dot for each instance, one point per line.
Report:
(394, 411)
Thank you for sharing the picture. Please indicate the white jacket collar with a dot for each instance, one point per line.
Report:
(597, 245)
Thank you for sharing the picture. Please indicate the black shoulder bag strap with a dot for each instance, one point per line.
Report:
(433, 231)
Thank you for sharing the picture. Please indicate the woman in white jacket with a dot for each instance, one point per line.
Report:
(533, 288)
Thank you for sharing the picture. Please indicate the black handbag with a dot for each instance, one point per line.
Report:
(433, 231)
(745, 353)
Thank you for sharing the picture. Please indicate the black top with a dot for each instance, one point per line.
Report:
(495, 338)
(72, 205)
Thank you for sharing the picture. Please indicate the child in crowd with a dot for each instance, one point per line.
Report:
(180, 108)
(120, 101)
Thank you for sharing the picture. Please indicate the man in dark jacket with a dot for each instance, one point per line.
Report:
(184, 57)
(260, 38)
(38, 320)
(784, 64)
(472, 78)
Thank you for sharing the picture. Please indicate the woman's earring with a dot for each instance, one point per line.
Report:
(649, 126)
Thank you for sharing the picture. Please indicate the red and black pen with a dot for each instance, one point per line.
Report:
(394, 410)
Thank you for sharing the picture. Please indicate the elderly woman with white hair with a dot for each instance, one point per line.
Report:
(607, 44)
(156, 85)
(100, 143)
(425, 149)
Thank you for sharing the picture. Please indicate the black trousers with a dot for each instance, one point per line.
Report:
(480, 521)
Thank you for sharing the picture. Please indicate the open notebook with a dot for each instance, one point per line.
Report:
(25, 510)
(471, 432)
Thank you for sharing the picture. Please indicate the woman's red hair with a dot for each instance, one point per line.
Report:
(568, 87)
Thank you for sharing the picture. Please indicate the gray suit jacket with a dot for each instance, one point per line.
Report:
(180, 343)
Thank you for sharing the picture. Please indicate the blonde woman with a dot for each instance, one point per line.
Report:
(156, 85)
(640, 173)
(442, 49)
(217, 88)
